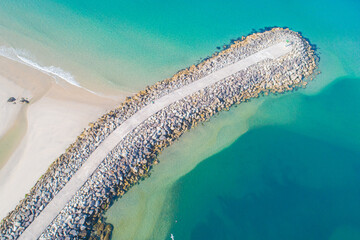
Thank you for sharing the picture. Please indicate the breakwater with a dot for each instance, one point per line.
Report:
(135, 153)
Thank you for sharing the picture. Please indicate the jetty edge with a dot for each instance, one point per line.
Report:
(134, 155)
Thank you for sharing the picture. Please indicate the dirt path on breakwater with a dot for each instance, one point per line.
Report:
(64, 196)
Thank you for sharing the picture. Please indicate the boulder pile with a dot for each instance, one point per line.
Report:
(134, 155)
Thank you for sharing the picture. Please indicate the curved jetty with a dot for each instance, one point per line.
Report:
(119, 148)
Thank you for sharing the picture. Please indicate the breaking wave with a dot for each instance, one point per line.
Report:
(23, 57)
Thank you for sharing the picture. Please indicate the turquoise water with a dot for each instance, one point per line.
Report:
(294, 181)
(279, 167)
(129, 44)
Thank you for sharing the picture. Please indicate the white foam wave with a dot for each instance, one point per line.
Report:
(24, 57)
(56, 71)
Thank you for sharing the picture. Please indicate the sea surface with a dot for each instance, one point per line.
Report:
(279, 167)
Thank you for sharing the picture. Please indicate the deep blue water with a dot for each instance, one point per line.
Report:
(275, 182)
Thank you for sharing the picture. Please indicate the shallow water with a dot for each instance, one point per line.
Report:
(279, 167)
(130, 44)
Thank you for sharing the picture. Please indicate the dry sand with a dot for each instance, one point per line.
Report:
(33, 135)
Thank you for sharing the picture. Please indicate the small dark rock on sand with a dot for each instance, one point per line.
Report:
(23, 100)
(11, 99)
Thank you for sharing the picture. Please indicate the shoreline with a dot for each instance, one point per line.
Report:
(55, 107)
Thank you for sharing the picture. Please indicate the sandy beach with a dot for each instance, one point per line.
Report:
(33, 135)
